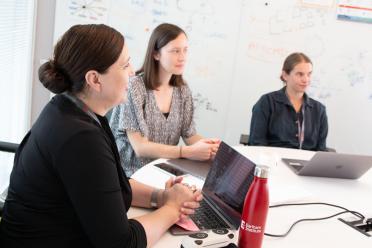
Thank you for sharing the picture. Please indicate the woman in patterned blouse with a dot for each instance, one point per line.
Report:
(160, 108)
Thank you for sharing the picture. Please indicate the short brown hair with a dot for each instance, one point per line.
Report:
(80, 49)
(292, 60)
(160, 37)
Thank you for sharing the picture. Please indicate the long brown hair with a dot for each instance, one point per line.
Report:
(292, 60)
(160, 37)
(80, 49)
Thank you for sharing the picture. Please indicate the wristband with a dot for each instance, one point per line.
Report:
(154, 198)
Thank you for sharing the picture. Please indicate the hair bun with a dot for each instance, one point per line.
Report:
(52, 78)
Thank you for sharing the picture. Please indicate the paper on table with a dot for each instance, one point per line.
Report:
(152, 176)
(157, 177)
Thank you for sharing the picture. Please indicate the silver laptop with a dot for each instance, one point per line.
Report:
(224, 191)
(331, 164)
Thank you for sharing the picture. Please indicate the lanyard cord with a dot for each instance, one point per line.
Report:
(301, 128)
(81, 105)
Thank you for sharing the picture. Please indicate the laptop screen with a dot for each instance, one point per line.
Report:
(228, 181)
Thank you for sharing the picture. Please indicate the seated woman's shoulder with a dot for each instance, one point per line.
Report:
(278, 94)
(136, 80)
(185, 90)
(316, 103)
(136, 83)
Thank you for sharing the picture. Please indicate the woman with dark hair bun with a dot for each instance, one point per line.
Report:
(160, 109)
(67, 187)
(289, 117)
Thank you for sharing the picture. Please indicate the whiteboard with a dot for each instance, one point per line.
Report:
(237, 49)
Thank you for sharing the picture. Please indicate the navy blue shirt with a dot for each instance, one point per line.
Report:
(275, 123)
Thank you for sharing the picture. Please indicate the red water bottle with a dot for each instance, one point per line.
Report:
(256, 206)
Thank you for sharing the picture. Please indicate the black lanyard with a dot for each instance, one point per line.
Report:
(81, 105)
(301, 127)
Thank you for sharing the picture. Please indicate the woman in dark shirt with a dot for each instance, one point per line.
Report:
(67, 187)
(288, 117)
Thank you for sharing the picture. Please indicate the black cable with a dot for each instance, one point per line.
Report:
(319, 203)
(361, 216)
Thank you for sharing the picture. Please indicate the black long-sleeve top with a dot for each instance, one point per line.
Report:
(275, 123)
(67, 187)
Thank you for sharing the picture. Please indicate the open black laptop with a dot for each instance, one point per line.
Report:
(331, 164)
(224, 192)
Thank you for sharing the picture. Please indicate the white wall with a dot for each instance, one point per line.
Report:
(43, 49)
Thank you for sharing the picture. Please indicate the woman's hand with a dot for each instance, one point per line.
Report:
(215, 142)
(181, 196)
(188, 208)
(204, 149)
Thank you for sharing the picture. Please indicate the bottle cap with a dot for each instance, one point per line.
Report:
(262, 171)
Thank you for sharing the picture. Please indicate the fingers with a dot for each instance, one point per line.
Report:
(178, 179)
(191, 187)
(169, 183)
(184, 217)
(188, 208)
(198, 196)
(212, 141)
(187, 211)
(190, 205)
(172, 181)
(185, 197)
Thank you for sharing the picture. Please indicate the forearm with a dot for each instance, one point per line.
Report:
(193, 139)
(162, 218)
(145, 148)
(142, 194)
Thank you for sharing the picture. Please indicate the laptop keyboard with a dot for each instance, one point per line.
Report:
(206, 218)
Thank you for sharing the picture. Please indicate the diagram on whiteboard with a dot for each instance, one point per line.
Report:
(203, 103)
(92, 11)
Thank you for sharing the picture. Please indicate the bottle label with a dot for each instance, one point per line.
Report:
(244, 226)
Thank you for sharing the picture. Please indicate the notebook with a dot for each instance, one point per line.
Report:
(224, 192)
(331, 164)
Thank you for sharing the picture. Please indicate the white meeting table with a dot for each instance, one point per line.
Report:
(287, 187)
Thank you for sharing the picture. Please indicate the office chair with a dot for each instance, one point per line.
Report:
(9, 148)
(244, 138)
(330, 149)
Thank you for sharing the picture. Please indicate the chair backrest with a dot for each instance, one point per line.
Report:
(8, 148)
(330, 149)
(244, 138)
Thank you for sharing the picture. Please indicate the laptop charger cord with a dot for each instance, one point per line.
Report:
(357, 214)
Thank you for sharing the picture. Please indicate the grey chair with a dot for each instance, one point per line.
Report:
(330, 149)
(244, 138)
(8, 148)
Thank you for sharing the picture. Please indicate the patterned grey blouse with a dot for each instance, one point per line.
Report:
(141, 114)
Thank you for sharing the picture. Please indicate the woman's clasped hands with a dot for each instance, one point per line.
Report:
(181, 196)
